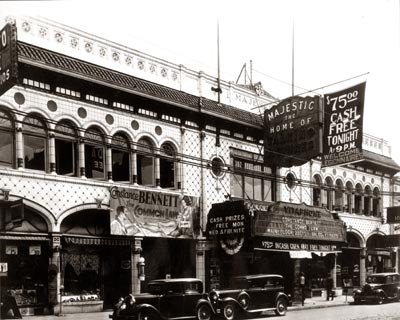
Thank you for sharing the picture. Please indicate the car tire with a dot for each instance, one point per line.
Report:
(381, 298)
(229, 312)
(357, 301)
(145, 315)
(203, 312)
(281, 307)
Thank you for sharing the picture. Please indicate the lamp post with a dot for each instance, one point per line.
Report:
(141, 265)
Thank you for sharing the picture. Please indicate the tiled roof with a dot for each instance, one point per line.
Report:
(381, 160)
(49, 60)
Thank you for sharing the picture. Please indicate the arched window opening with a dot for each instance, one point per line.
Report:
(94, 154)
(167, 165)
(7, 141)
(340, 199)
(35, 142)
(145, 162)
(358, 199)
(66, 148)
(367, 201)
(120, 158)
(317, 191)
(349, 206)
(328, 191)
(376, 203)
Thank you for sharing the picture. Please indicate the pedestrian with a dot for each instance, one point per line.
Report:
(303, 287)
(329, 288)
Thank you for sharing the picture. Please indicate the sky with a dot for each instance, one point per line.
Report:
(323, 45)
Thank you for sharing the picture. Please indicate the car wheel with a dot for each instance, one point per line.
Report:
(204, 312)
(356, 301)
(229, 312)
(144, 315)
(381, 298)
(281, 307)
(398, 296)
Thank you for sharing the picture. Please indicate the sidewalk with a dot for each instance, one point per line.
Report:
(310, 303)
(321, 302)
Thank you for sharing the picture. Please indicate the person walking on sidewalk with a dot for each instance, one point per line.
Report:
(303, 287)
(329, 288)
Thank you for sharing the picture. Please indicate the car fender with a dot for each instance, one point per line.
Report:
(377, 292)
(282, 295)
(206, 302)
(148, 307)
(231, 300)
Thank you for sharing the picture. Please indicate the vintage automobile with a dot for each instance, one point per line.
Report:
(250, 296)
(179, 298)
(380, 287)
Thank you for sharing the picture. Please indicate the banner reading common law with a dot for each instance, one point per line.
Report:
(343, 126)
(143, 213)
(292, 131)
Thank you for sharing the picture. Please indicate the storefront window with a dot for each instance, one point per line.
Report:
(94, 154)
(66, 148)
(120, 158)
(35, 142)
(6, 140)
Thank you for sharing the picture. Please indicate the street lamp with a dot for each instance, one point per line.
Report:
(141, 265)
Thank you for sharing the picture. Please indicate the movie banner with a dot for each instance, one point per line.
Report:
(142, 213)
(292, 131)
(343, 126)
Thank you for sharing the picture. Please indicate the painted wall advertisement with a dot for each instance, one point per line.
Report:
(288, 226)
(8, 57)
(343, 126)
(145, 213)
(293, 131)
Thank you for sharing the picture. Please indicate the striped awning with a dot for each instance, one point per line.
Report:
(97, 241)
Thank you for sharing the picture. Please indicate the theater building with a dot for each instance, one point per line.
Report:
(113, 163)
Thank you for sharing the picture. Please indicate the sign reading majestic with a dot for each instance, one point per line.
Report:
(288, 226)
(292, 131)
(8, 58)
(136, 212)
(393, 215)
(343, 126)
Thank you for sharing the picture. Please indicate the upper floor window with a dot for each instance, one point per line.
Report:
(6, 139)
(35, 142)
(66, 148)
(167, 165)
(120, 157)
(94, 154)
(145, 162)
(251, 180)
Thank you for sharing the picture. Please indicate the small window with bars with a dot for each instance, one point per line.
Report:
(36, 84)
(68, 92)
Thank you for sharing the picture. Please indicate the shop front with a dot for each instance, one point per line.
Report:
(282, 238)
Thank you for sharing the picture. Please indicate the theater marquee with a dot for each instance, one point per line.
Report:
(8, 58)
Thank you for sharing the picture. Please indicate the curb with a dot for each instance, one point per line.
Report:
(317, 306)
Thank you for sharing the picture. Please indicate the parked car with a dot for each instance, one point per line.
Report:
(380, 287)
(250, 296)
(166, 299)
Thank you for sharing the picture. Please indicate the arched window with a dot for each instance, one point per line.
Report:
(329, 188)
(358, 199)
(6, 139)
(35, 142)
(368, 201)
(145, 162)
(120, 157)
(349, 207)
(339, 195)
(317, 201)
(66, 148)
(94, 154)
(376, 203)
(167, 165)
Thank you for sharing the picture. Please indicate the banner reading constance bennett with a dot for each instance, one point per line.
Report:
(343, 126)
(292, 131)
(143, 213)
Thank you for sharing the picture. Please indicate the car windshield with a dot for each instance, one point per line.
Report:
(376, 279)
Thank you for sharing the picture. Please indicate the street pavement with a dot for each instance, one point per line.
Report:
(313, 303)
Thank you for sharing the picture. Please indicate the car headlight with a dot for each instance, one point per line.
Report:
(214, 297)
